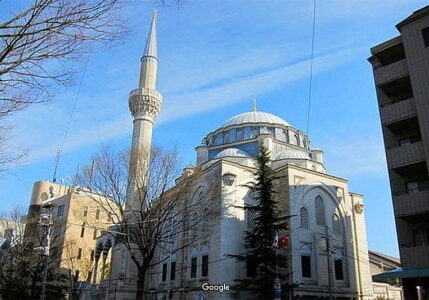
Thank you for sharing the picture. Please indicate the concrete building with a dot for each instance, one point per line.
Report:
(401, 74)
(380, 263)
(78, 219)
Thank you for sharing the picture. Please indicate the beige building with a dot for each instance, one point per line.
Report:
(78, 219)
(380, 263)
(401, 74)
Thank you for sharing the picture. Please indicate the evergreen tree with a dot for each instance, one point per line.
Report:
(261, 258)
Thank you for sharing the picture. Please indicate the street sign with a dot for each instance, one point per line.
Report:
(121, 276)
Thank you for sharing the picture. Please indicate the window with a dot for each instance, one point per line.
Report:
(60, 210)
(193, 267)
(97, 214)
(79, 253)
(94, 236)
(226, 137)
(82, 230)
(250, 266)
(336, 225)
(85, 211)
(287, 136)
(305, 261)
(92, 255)
(425, 33)
(296, 139)
(164, 272)
(412, 187)
(320, 211)
(173, 271)
(304, 217)
(240, 134)
(205, 266)
(338, 267)
(306, 266)
(254, 131)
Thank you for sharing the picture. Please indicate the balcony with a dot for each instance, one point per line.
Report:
(415, 257)
(397, 111)
(404, 155)
(391, 72)
(411, 204)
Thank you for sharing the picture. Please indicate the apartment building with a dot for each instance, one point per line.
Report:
(401, 75)
(79, 217)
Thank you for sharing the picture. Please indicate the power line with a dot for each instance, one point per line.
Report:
(66, 132)
(310, 84)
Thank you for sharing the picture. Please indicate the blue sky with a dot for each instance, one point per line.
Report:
(215, 56)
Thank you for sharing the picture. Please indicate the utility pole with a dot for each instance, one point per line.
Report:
(45, 221)
(328, 255)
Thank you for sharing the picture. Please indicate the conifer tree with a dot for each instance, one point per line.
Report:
(260, 257)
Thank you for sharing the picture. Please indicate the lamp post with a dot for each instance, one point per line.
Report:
(325, 245)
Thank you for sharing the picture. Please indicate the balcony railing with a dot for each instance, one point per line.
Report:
(397, 111)
(390, 72)
(405, 154)
(415, 257)
(408, 204)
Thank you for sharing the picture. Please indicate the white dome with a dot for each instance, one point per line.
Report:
(255, 117)
(292, 154)
(232, 152)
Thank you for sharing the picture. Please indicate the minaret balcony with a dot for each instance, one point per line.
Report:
(146, 92)
(145, 103)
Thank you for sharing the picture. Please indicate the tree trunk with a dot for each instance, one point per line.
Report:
(140, 283)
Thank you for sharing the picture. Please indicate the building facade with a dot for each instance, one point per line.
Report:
(401, 74)
(328, 253)
(78, 219)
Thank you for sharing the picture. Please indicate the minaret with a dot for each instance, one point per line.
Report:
(145, 103)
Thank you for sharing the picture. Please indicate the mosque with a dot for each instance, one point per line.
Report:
(327, 253)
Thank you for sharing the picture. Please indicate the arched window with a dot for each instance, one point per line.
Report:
(305, 261)
(296, 139)
(240, 134)
(226, 137)
(336, 225)
(205, 261)
(338, 265)
(320, 211)
(255, 131)
(303, 213)
(194, 261)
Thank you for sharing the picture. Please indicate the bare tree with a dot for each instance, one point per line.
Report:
(21, 265)
(165, 208)
(43, 43)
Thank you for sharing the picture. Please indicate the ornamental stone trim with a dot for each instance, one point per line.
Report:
(145, 102)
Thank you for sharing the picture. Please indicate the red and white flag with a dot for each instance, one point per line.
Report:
(280, 242)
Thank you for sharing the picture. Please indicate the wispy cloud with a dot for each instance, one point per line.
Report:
(89, 129)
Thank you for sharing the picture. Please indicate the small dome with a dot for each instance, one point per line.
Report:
(292, 154)
(255, 117)
(232, 152)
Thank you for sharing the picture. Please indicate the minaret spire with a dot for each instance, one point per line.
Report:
(151, 43)
(145, 104)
